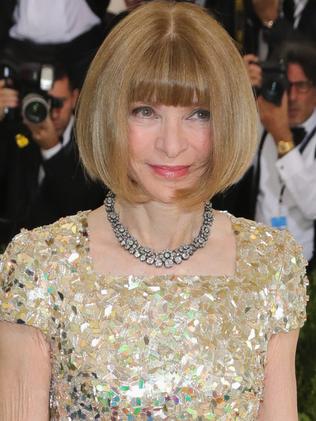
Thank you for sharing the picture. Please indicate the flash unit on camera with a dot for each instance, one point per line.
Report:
(47, 77)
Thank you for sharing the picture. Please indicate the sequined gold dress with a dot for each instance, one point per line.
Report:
(154, 348)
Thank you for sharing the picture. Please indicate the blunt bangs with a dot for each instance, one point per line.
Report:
(170, 74)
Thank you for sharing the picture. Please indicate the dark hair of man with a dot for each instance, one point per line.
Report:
(61, 72)
(304, 55)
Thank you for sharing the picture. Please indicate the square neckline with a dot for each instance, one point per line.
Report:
(87, 251)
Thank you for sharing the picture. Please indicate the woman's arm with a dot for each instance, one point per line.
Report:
(279, 401)
(24, 373)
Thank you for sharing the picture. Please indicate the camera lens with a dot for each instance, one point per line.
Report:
(34, 108)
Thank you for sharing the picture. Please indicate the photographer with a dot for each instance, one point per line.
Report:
(41, 178)
(261, 26)
(279, 189)
(66, 31)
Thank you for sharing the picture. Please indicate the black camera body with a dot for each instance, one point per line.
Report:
(274, 81)
(32, 81)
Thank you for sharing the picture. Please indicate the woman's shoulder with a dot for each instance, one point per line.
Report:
(53, 239)
(266, 240)
(38, 253)
(272, 260)
(267, 250)
(37, 268)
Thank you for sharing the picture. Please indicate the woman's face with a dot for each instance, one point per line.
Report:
(169, 147)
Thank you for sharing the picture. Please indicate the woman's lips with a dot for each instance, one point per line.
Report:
(171, 171)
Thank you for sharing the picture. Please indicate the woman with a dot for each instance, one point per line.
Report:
(155, 306)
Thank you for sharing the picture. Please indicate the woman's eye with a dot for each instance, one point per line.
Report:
(201, 115)
(144, 112)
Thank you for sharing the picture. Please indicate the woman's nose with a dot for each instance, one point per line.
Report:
(172, 139)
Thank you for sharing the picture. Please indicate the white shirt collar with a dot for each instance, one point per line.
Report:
(310, 123)
(49, 153)
(67, 133)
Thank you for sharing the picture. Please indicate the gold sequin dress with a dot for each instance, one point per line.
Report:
(160, 347)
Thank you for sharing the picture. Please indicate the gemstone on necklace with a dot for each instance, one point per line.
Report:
(158, 263)
(167, 258)
(168, 263)
(167, 254)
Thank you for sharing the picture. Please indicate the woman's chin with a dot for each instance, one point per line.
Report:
(162, 195)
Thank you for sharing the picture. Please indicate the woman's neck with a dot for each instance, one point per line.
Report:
(158, 225)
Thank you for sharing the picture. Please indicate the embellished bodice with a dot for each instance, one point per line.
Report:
(160, 347)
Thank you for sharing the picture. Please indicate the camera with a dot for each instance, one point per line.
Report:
(274, 81)
(32, 81)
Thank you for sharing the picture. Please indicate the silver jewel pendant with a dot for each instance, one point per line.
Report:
(166, 258)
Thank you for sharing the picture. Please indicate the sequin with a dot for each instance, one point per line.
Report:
(160, 347)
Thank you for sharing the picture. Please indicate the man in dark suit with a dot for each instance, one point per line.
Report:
(41, 178)
(260, 26)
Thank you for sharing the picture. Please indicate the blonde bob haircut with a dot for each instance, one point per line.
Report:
(173, 54)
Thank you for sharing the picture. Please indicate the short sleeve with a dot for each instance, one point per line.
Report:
(289, 287)
(23, 296)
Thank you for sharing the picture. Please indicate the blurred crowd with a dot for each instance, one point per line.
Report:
(45, 50)
(278, 41)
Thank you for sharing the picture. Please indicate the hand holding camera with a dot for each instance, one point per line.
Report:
(270, 83)
(254, 70)
(276, 122)
(9, 98)
(266, 10)
(31, 83)
(275, 118)
(24, 98)
(268, 78)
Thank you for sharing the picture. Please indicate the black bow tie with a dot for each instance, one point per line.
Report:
(298, 134)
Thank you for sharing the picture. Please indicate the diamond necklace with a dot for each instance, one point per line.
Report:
(167, 258)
